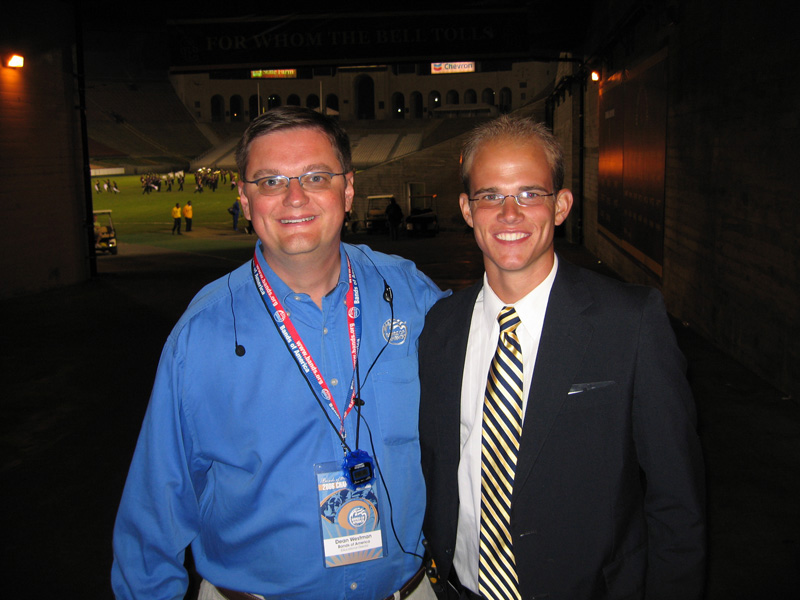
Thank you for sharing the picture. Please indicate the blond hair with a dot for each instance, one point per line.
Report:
(517, 129)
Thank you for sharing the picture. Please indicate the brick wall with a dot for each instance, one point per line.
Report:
(731, 225)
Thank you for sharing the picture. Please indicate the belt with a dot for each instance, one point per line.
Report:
(234, 595)
(404, 592)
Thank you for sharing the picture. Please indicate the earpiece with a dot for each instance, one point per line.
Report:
(239, 349)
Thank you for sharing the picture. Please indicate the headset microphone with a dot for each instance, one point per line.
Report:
(239, 348)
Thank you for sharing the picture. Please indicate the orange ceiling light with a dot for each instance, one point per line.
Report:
(14, 61)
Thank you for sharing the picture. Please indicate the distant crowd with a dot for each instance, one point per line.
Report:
(154, 182)
(204, 177)
(212, 178)
(108, 186)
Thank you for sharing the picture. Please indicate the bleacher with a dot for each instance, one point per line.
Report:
(407, 144)
(372, 142)
(376, 142)
(372, 148)
(143, 123)
(146, 124)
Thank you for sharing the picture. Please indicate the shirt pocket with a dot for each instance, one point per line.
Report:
(396, 392)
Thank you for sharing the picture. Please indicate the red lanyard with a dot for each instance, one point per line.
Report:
(298, 349)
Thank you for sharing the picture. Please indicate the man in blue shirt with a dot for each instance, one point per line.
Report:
(281, 438)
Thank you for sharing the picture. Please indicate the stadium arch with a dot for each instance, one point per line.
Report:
(237, 108)
(415, 105)
(217, 108)
(365, 97)
(398, 106)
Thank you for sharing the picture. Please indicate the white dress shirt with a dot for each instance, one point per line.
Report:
(484, 333)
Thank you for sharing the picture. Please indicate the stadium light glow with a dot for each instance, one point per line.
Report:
(14, 61)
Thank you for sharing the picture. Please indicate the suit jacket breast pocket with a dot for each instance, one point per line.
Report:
(591, 394)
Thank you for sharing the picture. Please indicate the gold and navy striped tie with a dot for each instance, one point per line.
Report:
(502, 428)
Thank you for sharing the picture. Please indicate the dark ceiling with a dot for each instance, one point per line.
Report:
(128, 40)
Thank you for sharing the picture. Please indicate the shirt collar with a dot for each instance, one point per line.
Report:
(527, 307)
(285, 293)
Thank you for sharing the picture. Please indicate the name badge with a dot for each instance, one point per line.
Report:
(349, 518)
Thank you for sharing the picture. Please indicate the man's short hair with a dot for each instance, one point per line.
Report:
(515, 129)
(293, 117)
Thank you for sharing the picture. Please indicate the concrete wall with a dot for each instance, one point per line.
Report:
(43, 199)
(731, 223)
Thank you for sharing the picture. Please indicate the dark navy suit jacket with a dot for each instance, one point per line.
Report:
(608, 499)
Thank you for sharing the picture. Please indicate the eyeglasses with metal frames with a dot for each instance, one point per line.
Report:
(313, 181)
(523, 199)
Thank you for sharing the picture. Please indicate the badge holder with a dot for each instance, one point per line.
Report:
(349, 514)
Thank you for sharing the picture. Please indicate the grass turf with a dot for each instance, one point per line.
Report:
(147, 218)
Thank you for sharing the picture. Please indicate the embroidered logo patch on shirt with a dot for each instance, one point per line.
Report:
(395, 332)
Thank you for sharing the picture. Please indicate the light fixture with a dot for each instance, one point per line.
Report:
(14, 61)
(595, 76)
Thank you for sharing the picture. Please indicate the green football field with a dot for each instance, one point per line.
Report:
(147, 218)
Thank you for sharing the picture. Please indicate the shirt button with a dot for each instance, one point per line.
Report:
(325, 330)
(297, 298)
(353, 585)
(334, 381)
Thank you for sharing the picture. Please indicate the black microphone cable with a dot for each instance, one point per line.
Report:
(388, 296)
(239, 349)
(388, 496)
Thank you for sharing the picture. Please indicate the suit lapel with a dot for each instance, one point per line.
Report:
(565, 337)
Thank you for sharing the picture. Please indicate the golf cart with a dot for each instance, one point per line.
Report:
(423, 219)
(376, 219)
(105, 237)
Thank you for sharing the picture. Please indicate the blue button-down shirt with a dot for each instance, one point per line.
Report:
(225, 459)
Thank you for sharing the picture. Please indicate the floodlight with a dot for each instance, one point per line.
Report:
(14, 61)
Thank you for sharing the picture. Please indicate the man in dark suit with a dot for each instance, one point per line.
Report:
(598, 450)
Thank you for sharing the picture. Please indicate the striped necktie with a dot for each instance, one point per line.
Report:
(502, 428)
